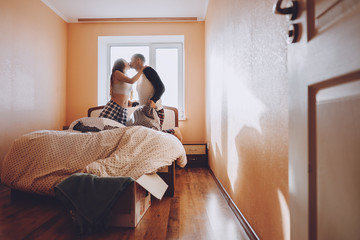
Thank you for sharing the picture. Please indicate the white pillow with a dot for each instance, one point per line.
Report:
(97, 122)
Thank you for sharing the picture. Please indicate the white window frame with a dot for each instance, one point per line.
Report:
(104, 69)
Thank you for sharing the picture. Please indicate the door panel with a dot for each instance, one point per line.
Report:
(328, 12)
(324, 121)
(337, 161)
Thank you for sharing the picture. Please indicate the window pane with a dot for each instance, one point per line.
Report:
(126, 53)
(167, 68)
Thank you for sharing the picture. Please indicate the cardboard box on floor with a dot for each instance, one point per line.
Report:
(136, 199)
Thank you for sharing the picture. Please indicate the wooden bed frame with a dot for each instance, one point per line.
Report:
(171, 120)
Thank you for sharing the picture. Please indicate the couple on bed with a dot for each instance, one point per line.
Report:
(149, 87)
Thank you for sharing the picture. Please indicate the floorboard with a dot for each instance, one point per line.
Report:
(197, 211)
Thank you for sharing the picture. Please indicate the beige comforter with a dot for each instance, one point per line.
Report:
(39, 160)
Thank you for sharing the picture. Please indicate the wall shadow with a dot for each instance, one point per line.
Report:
(262, 173)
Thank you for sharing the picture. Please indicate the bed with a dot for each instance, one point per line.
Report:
(171, 120)
(38, 161)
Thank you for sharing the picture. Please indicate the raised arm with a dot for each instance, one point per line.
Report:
(155, 80)
(119, 76)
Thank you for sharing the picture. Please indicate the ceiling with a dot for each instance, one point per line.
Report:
(72, 10)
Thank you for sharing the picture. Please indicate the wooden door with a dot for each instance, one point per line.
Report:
(324, 123)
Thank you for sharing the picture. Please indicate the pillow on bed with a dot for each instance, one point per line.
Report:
(94, 124)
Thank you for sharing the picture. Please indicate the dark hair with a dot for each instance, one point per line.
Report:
(119, 65)
(140, 56)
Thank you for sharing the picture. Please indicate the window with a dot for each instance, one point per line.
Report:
(163, 53)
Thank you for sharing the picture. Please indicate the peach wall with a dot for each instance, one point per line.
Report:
(83, 69)
(247, 110)
(33, 46)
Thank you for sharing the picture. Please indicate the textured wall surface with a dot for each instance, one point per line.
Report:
(33, 42)
(247, 109)
(83, 70)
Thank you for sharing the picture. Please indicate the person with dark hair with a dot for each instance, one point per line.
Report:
(150, 88)
(120, 90)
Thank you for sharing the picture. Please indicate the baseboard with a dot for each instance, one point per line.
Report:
(248, 229)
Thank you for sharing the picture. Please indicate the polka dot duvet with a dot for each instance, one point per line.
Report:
(39, 160)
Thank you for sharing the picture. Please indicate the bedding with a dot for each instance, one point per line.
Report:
(38, 161)
(97, 122)
(145, 116)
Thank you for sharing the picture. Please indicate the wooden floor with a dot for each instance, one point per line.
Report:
(197, 211)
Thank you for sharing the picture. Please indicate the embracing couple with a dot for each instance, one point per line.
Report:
(149, 87)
